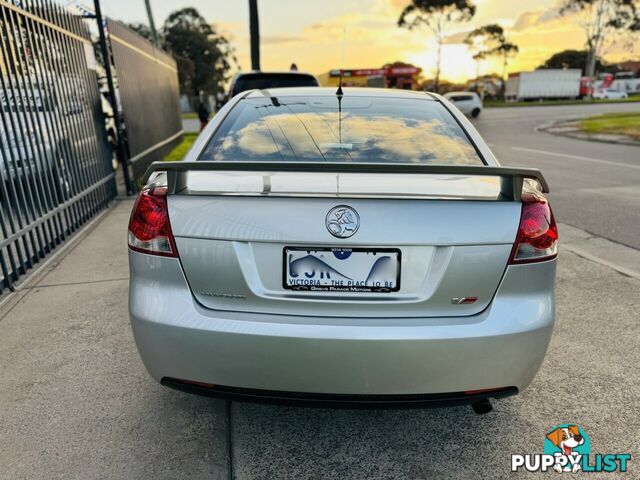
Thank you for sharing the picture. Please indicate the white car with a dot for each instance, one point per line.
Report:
(609, 94)
(468, 103)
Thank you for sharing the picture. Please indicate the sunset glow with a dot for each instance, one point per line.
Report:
(364, 34)
(457, 65)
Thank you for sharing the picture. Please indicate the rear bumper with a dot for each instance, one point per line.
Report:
(247, 353)
(337, 401)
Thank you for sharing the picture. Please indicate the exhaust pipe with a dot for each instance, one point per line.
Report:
(482, 407)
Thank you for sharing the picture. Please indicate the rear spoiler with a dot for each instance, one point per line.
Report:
(511, 178)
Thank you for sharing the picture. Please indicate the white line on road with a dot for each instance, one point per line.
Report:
(575, 157)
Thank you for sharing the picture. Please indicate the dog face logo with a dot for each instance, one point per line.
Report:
(566, 438)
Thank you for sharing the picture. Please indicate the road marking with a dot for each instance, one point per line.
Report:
(576, 157)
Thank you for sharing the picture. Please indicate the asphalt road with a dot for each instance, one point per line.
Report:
(595, 186)
(76, 402)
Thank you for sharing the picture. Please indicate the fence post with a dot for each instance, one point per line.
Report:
(121, 151)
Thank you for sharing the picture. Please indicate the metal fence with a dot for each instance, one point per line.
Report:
(55, 163)
(147, 80)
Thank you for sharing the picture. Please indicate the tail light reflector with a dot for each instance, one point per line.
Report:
(537, 238)
(149, 228)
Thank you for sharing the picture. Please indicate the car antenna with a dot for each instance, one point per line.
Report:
(339, 94)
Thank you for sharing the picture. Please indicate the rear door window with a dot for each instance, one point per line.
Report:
(462, 98)
(350, 129)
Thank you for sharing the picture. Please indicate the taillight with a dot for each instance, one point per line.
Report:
(537, 238)
(149, 228)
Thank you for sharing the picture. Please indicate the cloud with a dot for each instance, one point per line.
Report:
(279, 39)
(535, 18)
(526, 20)
(355, 26)
(398, 5)
(231, 30)
(457, 37)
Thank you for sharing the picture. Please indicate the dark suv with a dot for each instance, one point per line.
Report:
(259, 80)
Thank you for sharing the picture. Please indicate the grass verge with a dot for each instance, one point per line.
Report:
(190, 116)
(547, 103)
(613, 123)
(180, 150)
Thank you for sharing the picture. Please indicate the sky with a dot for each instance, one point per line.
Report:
(331, 34)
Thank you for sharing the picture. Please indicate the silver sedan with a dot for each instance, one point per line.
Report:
(359, 247)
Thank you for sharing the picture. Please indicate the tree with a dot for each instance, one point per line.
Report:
(474, 43)
(600, 19)
(142, 30)
(569, 59)
(436, 15)
(493, 43)
(203, 55)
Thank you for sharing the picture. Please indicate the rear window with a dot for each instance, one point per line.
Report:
(355, 129)
(278, 80)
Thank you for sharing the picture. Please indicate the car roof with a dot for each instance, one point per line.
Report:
(453, 94)
(268, 74)
(331, 91)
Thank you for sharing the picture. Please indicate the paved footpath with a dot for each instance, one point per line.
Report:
(76, 402)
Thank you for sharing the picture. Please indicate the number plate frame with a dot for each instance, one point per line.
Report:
(357, 288)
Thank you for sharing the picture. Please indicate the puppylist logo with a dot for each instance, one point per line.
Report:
(567, 448)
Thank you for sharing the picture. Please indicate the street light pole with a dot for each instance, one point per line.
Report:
(254, 31)
(152, 25)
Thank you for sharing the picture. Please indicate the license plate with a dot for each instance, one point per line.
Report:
(341, 269)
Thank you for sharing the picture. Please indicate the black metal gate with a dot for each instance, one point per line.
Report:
(147, 80)
(55, 163)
